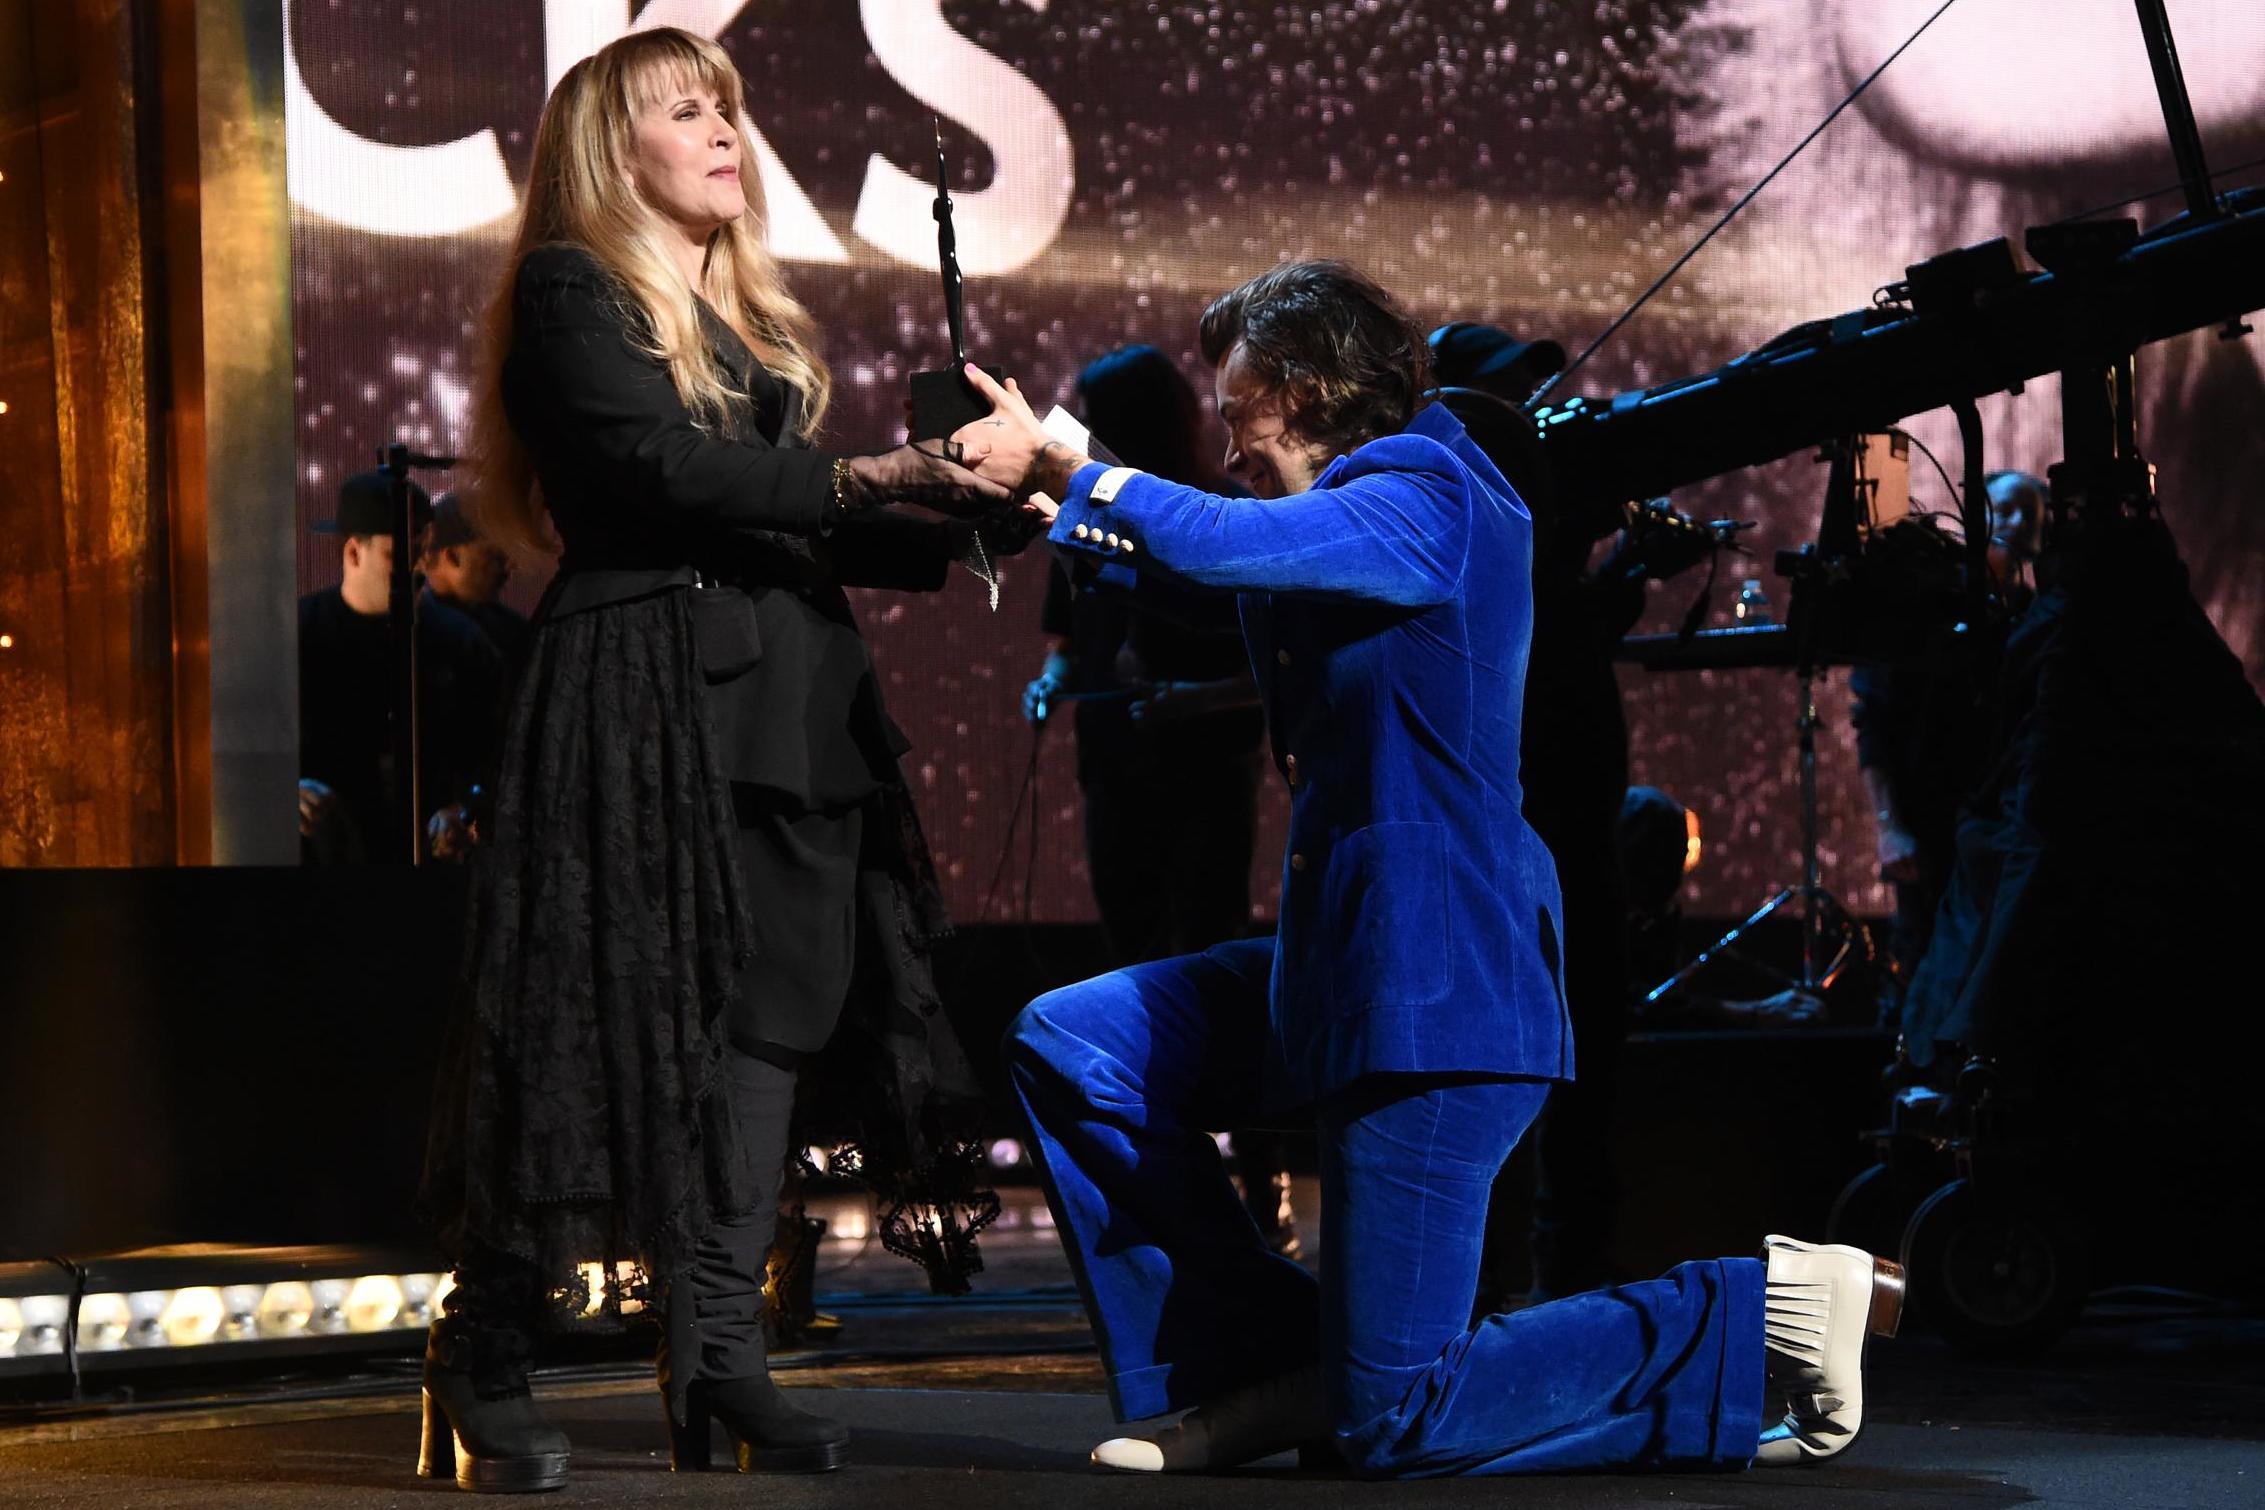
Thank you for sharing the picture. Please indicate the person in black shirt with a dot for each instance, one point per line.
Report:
(352, 807)
(1922, 731)
(468, 573)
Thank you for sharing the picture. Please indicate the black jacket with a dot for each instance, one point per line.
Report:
(643, 499)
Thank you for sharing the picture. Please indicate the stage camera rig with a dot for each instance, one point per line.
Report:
(1959, 326)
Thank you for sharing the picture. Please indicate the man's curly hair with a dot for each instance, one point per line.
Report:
(1348, 363)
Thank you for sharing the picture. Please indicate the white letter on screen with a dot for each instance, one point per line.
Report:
(375, 186)
(1000, 228)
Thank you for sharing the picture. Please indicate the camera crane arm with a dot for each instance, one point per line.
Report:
(1978, 325)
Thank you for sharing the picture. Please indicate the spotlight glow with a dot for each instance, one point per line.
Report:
(417, 1291)
(286, 1309)
(374, 1303)
(193, 1316)
(103, 1320)
(240, 1305)
(43, 1320)
(145, 1311)
(329, 1315)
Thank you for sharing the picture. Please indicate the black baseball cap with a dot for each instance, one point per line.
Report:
(452, 524)
(1465, 354)
(365, 506)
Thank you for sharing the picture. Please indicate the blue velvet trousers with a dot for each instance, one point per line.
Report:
(1122, 1076)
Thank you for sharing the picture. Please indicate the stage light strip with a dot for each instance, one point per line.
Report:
(110, 1321)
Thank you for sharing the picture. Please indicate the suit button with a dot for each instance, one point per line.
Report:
(1125, 546)
(1298, 863)
(1281, 657)
(1081, 532)
(1110, 540)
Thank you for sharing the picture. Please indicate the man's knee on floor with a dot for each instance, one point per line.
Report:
(1377, 1430)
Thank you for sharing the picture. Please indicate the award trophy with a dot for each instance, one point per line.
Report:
(944, 401)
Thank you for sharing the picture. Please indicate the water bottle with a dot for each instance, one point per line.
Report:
(1753, 608)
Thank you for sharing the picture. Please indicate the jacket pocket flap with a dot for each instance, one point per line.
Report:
(723, 624)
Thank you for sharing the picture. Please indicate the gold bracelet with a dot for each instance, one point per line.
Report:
(842, 483)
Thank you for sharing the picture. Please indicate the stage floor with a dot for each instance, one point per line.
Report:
(994, 1400)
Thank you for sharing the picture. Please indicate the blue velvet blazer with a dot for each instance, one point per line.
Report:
(1388, 612)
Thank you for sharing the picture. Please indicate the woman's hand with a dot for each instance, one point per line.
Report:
(1009, 446)
(923, 472)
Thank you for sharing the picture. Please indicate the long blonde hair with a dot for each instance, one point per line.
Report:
(579, 191)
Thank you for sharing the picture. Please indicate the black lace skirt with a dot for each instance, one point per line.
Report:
(579, 1115)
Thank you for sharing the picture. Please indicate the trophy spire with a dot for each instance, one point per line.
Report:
(947, 251)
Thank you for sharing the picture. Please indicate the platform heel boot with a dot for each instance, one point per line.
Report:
(769, 1434)
(480, 1419)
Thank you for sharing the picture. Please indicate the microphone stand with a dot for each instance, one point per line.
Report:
(395, 461)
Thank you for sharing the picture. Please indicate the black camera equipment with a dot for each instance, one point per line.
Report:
(1850, 583)
(1658, 542)
(1967, 323)
(396, 461)
(1970, 322)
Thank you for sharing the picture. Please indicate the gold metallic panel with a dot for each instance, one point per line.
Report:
(86, 754)
(232, 393)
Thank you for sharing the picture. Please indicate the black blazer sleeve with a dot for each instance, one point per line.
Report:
(613, 408)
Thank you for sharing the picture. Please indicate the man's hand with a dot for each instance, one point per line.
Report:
(1038, 697)
(1010, 447)
(450, 833)
(316, 803)
(1899, 853)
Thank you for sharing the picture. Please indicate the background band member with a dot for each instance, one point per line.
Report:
(1171, 797)
(702, 842)
(1923, 731)
(352, 803)
(467, 571)
(1410, 998)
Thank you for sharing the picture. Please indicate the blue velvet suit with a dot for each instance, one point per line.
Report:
(1409, 1001)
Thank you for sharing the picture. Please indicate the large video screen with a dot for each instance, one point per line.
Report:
(1533, 165)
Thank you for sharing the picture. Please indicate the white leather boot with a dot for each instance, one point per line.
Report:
(1819, 1303)
(1254, 1422)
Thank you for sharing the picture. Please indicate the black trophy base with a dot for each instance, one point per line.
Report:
(944, 400)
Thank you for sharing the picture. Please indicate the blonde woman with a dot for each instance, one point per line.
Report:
(701, 835)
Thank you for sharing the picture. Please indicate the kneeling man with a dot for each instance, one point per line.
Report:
(1409, 1003)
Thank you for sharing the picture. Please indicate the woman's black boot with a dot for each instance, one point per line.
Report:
(770, 1434)
(481, 1422)
(718, 1371)
(713, 1364)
